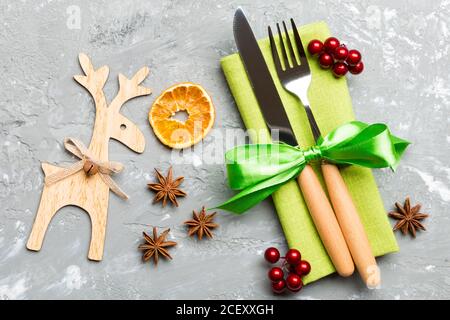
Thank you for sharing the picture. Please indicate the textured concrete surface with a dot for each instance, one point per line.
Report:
(405, 45)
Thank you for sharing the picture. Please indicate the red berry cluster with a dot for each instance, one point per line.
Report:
(293, 264)
(333, 54)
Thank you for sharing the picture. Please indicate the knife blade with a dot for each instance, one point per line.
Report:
(261, 80)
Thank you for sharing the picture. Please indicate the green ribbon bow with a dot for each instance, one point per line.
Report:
(260, 169)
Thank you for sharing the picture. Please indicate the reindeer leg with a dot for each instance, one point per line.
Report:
(96, 205)
(98, 221)
(47, 209)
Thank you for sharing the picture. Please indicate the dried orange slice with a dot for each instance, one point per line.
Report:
(192, 99)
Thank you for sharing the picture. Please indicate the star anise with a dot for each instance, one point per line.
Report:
(153, 247)
(167, 188)
(409, 218)
(201, 224)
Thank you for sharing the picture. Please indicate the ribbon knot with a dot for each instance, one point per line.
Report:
(258, 170)
(312, 153)
(90, 165)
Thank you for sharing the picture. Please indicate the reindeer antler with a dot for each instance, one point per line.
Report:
(130, 88)
(94, 80)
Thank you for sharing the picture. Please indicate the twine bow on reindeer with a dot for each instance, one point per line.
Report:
(90, 165)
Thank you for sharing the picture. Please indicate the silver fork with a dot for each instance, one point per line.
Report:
(296, 78)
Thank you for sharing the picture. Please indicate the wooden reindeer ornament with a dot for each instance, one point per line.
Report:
(86, 183)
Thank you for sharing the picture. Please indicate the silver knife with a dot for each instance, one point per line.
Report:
(261, 80)
(276, 119)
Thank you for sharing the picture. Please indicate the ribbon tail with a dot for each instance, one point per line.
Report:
(400, 146)
(113, 186)
(110, 167)
(63, 173)
(246, 199)
(251, 196)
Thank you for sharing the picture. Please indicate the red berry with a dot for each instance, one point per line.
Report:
(272, 255)
(331, 44)
(293, 257)
(354, 56)
(303, 268)
(294, 282)
(340, 69)
(326, 60)
(315, 47)
(356, 69)
(279, 286)
(276, 274)
(341, 53)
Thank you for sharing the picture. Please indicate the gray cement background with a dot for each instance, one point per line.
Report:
(405, 45)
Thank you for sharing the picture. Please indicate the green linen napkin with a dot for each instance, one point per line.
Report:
(332, 106)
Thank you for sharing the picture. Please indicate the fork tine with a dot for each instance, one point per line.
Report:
(290, 48)
(273, 46)
(298, 42)
(283, 49)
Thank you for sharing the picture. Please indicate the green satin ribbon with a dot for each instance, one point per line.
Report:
(260, 169)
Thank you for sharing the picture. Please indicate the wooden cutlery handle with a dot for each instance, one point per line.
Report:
(325, 221)
(351, 225)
